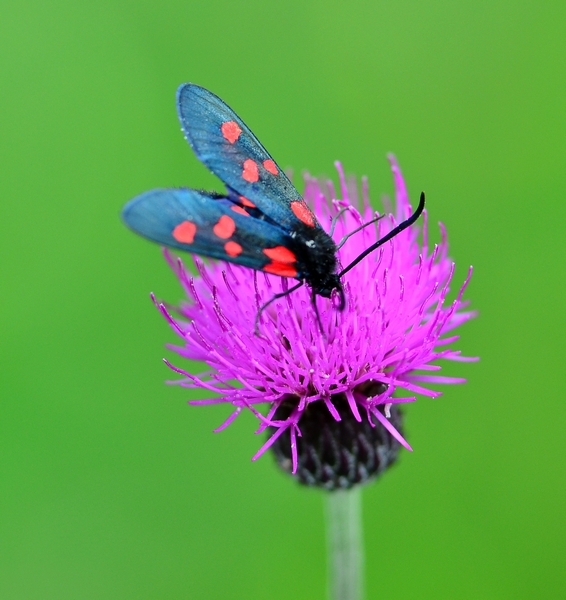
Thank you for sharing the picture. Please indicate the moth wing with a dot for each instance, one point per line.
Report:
(226, 145)
(197, 222)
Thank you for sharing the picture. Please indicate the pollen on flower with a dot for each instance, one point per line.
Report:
(328, 390)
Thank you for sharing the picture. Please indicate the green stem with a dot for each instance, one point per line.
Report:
(345, 544)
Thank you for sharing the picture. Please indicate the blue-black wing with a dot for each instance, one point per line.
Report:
(204, 224)
(223, 142)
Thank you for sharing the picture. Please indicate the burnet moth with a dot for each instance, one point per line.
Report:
(262, 222)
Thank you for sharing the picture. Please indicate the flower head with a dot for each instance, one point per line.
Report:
(327, 389)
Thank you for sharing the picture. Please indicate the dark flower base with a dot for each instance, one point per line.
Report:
(337, 454)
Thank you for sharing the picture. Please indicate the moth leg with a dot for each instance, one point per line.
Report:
(270, 301)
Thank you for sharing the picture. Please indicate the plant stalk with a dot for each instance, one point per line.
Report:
(345, 547)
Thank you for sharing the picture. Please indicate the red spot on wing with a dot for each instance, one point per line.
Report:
(282, 269)
(270, 166)
(281, 261)
(232, 248)
(240, 210)
(231, 131)
(302, 212)
(280, 254)
(185, 232)
(225, 227)
(247, 202)
(250, 172)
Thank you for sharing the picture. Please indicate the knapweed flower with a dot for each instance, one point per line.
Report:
(327, 392)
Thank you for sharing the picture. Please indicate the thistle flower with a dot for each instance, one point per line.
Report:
(327, 392)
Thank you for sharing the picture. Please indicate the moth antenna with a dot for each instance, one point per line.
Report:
(270, 301)
(407, 223)
(345, 238)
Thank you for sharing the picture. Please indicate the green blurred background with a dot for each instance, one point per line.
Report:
(111, 486)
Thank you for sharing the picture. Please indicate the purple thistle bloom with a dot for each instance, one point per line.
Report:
(332, 395)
